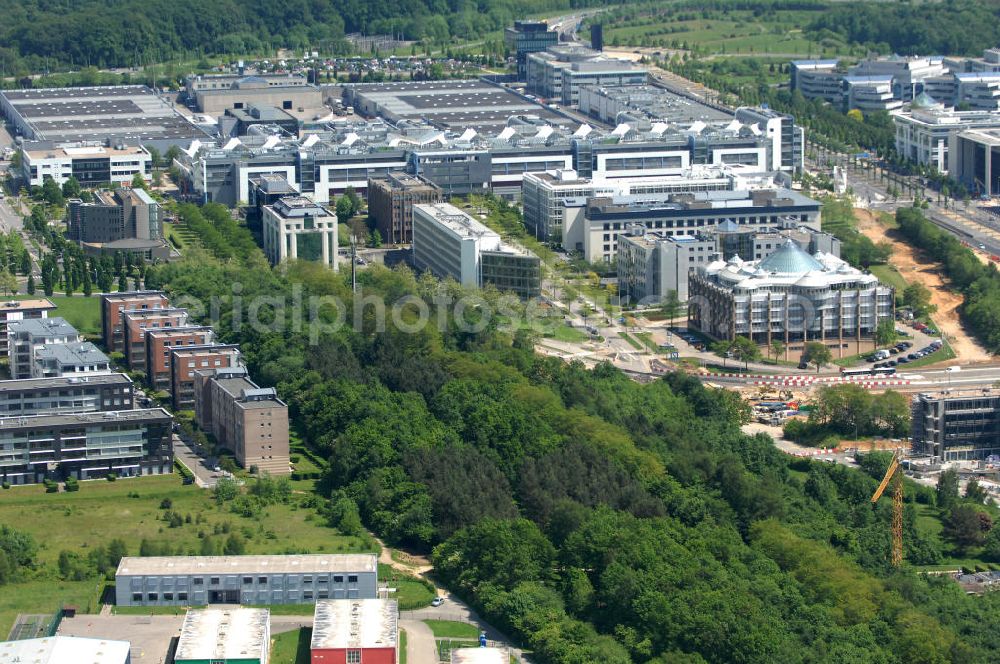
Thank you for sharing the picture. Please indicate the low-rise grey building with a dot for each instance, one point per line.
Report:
(127, 443)
(238, 121)
(72, 359)
(25, 337)
(224, 636)
(71, 394)
(651, 264)
(957, 425)
(263, 580)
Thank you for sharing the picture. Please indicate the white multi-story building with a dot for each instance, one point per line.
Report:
(558, 73)
(69, 359)
(979, 90)
(90, 164)
(792, 297)
(870, 93)
(908, 74)
(650, 264)
(450, 243)
(545, 194)
(295, 227)
(924, 131)
(787, 139)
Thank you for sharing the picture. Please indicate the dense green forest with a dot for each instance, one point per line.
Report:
(35, 34)
(957, 27)
(593, 518)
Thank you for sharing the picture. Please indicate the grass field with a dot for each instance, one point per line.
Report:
(130, 509)
(83, 313)
(291, 647)
(889, 275)
(179, 236)
(452, 629)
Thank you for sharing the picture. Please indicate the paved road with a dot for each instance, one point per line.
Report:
(203, 477)
(420, 645)
(9, 220)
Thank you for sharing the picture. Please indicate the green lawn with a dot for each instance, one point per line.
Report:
(83, 313)
(291, 647)
(130, 509)
(402, 647)
(631, 342)
(412, 593)
(179, 236)
(452, 629)
(890, 276)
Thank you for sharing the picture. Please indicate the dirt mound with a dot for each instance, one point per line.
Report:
(914, 265)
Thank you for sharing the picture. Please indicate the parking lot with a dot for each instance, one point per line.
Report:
(150, 636)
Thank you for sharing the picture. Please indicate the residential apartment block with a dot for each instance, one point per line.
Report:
(246, 419)
(138, 322)
(71, 394)
(159, 345)
(113, 306)
(71, 359)
(84, 446)
(24, 337)
(185, 361)
(262, 580)
(17, 310)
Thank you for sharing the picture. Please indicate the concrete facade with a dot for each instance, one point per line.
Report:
(295, 227)
(128, 443)
(261, 580)
(73, 394)
(958, 425)
(391, 200)
(248, 420)
(27, 336)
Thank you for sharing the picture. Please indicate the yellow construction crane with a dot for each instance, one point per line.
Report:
(897, 507)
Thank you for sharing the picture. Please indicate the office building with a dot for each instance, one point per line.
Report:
(787, 151)
(69, 359)
(113, 306)
(250, 421)
(528, 37)
(26, 336)
(324, 165)
(184, 361)
(65, 650)
(869, 93)
(558, 73)
(614, 104)
(956, 425)
(924, 131)
(390, 204)
(238, 121)
(265, 189)
(101, 115)
(650, 265)
(355, 630)
(224, 636)
(71, 394)
(978, 91)
(593, 225)
(907, 74)
(126, 213)
(974, 160)
(91, 164)
(792, 297)
(296, 228)
(261, 580)
(817, 79)
(463, 108)
(479, 656)
(214, 94)
(552, 200)
(159, 345)
(137, 322)
(127, 443)
(450, 243)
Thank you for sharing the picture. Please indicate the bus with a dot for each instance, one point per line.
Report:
(868, 371)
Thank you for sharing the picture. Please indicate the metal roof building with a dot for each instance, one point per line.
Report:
(224, 636)
(65, 650)
(368, 627)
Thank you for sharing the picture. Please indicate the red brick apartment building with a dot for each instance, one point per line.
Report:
(161, 342)
(113, 305)
(137, 323)
(185, 361)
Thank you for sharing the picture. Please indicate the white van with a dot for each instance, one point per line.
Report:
(881, 355)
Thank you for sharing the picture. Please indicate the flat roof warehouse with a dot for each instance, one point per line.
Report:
(119, 112)
(292, 564)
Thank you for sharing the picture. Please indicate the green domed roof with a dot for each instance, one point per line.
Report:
(924, 100)
(790, 259)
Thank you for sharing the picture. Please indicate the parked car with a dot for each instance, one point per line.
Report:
(437, 601)
(911, 356)
(803, 364)
(904, 360)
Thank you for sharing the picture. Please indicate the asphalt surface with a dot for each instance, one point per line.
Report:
(203, 475)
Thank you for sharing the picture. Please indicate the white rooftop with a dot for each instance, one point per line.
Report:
(292, 564)
(64, 650)
(224, 634)
(789, 266)
(355, 623)
(478, 656)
